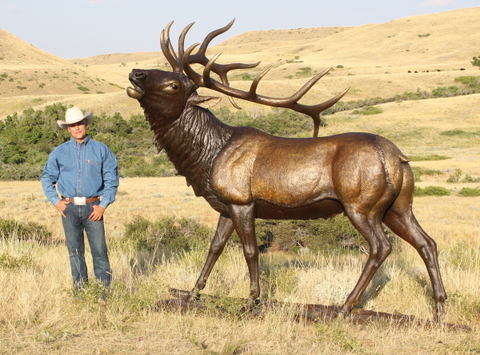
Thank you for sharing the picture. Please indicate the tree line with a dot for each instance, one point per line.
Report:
(27, 139)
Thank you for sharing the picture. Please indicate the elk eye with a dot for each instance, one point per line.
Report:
(172, 88)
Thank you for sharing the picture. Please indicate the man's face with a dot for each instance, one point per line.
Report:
(78, 130)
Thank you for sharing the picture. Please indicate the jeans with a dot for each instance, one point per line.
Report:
(74, 225)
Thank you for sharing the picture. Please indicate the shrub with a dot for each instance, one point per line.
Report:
(460, 133)
(446, 91)
(166, 232)
(318, 235)
(469, 192)
(431, 191)
(469, 178)
(8, 261)
(305, 71)
(469, 81)
(455, 177)
(368, 110)
(432, 157)
(418, 172)
(13, 230)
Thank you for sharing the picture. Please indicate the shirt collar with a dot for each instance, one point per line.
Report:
(85, 141)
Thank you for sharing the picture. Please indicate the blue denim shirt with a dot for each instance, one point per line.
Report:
(88, 169)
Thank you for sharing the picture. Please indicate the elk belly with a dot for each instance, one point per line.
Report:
(289, 184)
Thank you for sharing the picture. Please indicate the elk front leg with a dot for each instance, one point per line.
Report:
(223, 232)
(244, 222)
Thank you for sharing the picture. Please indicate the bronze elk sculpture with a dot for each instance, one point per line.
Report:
(245, 173)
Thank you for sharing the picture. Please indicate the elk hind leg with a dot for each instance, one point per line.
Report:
(370, 226)
(405, 225)
(223, 232)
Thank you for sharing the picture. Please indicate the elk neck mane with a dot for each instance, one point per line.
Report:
(192, 142)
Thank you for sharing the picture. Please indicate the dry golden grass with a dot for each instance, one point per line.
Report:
(39, 315)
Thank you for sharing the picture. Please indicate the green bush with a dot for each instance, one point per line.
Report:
(368, 110)
(469, 178)
(318, 235)
(431, 191)
(433, 157)
(456, 176)
(469, 81)
(418, 172)
(14, 230)
(470, 192)
(460, 133)
(167, 232)
(8, 261)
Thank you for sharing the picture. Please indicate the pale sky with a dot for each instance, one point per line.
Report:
(83, 28)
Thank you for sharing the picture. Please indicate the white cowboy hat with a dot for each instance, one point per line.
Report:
(74, 115)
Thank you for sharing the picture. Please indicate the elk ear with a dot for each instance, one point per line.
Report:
(205, 101)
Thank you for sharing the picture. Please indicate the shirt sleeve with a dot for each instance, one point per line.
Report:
(110, 178)
(49, 179)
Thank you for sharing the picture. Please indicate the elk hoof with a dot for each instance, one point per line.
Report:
(250, 307)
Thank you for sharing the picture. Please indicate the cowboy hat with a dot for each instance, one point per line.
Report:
(74, 115)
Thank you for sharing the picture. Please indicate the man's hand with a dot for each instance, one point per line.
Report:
(97, 213)
(61, 206)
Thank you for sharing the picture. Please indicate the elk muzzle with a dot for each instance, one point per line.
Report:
(136, 76)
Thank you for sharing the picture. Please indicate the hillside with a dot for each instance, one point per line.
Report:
(374, 60)
(29, 71)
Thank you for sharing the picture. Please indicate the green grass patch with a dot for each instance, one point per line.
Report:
(431, 191)
(418, 172)
(8, 261)
(460, 133)
(469, 192)
(368, 110)
(432, 157)
(14, 230)
(167, 232)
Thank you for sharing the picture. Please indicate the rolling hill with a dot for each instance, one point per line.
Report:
(374, 60)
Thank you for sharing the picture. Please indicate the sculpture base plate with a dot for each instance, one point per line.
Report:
(214, 305)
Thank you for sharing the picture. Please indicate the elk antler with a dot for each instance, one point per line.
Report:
(185, 58)
(177, 63)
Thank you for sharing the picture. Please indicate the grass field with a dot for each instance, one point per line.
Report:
(40, 315)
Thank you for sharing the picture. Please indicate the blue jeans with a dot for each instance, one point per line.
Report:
(74, 225)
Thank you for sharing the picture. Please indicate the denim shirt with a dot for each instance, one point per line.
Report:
(88, 169)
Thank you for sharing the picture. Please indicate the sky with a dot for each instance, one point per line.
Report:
(84, 28)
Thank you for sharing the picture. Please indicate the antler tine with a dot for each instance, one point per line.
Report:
(168, 50)
(220, 69)
(181, 41)
(212, 35)
(315, 110)
(200, 57)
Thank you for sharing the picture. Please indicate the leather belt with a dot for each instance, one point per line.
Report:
(80, 200)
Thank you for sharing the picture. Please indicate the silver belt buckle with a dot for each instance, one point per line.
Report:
(80, 201)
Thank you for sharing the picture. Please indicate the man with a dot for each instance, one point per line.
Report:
(82, 170)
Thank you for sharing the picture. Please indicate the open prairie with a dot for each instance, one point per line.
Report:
(40, 314)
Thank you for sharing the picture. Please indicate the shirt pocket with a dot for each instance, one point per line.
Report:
(94, 168)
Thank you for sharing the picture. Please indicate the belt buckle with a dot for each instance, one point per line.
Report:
(80, 201)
